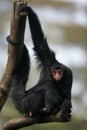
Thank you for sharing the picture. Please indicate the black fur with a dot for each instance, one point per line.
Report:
(53, 95)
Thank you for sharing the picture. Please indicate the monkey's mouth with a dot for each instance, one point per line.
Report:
(58, 77)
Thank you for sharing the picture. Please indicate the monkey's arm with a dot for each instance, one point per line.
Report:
(41, 48)
(65, 112)
(68, 79)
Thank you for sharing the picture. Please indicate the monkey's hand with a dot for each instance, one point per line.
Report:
(65, 112)
(23, 8)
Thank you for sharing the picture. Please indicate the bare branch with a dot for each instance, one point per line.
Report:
(15, 124)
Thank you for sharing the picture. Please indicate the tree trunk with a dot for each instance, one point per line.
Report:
(14, 51)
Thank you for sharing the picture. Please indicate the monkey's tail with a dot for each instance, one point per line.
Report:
(41, 48)
(19, 79)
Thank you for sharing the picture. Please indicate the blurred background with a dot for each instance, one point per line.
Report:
(65, 25)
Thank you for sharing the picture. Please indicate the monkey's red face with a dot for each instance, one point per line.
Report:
(57, 74)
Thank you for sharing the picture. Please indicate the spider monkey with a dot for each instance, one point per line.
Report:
(52, 93)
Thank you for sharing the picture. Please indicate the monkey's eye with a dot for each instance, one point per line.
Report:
(60, 71)
(57, 71)
(54, 72)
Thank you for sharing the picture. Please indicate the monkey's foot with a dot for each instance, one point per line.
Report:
(63, 116)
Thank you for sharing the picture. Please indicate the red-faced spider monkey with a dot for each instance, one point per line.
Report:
(52, 93)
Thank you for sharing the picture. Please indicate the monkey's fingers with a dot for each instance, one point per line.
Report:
(22, 9)
(30, 114)
(44, 109)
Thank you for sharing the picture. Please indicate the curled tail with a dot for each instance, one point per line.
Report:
(19, 79)
(41, 48)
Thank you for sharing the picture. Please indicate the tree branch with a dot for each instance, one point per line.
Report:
(18, 123)
(14, 52)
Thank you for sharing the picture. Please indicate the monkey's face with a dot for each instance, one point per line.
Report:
(57, 74)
